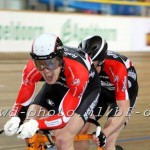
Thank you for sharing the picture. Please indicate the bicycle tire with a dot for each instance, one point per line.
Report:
(118, 147)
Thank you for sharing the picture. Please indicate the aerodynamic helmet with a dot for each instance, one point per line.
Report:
(47, 51)
(96, 47)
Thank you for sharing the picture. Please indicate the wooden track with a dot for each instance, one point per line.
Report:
(135, 136)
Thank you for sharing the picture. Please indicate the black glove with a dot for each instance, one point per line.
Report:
(102, 139)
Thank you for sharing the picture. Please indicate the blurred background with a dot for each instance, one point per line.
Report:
(125, 24)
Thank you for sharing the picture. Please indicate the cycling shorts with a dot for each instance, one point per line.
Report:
(107, 100)
(50, 97)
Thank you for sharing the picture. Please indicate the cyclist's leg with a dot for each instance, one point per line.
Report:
(111, 140)
(108, 97)
(65, 136)
(36, 111)
(83, 145)
(99, 111)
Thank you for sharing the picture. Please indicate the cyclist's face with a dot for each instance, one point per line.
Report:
(50, 69)
(97, 66)
(51, 76)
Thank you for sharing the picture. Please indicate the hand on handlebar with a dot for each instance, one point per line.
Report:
(99, 137)
(28, 129)
(11, 127)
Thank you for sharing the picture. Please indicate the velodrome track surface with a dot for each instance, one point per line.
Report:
(135, 136)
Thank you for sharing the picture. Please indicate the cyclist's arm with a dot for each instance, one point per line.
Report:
(118, 77)
(30, 76)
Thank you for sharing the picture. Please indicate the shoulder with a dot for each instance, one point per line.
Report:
(115, 56)
(30, 72)
(115, 59)
(119, 59)
(30, 67)
(76, 57)
(75, 65)
(114, 67)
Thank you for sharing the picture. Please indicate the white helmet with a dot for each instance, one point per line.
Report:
(47, 46)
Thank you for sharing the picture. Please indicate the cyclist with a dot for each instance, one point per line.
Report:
(119, 87)
(71, 81)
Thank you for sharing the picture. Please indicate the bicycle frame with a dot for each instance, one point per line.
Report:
(38, 141)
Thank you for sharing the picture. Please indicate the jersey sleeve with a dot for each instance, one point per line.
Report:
(117, 73)
(25, 96)
(77, 82)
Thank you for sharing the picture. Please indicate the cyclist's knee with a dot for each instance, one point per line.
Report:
(63, 139)
(85, 128)
(112, 139)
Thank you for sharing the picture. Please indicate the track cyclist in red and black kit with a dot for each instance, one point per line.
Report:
(119, 88)
(71, 88)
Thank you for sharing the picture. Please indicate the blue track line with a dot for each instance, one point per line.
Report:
(134, 139)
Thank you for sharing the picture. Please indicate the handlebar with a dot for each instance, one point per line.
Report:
(98, 129)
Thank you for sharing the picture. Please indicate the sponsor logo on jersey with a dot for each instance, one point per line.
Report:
(116, 78)
(76, 82)
(62, 78)
(70, 54)
(132, 74)
(129, 84)
(104, 77)
(50, 102)
(89, 111)
(92, 74)
(53, 123)
(84, 87)
(62, 84)
(110, 53)
(124, 84)
(107, 85)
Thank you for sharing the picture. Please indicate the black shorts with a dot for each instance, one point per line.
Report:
(50, 97)
(107, 99)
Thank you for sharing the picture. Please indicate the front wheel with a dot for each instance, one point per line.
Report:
(118, 147)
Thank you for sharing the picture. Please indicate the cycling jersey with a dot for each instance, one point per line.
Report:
(76, 75)
(118, 74)
(118, 82)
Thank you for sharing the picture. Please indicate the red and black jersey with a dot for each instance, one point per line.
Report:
(77, 72)
(118, 74)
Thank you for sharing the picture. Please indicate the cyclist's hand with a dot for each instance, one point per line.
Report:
(99, 138)
(28, 129)
(11, 127)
